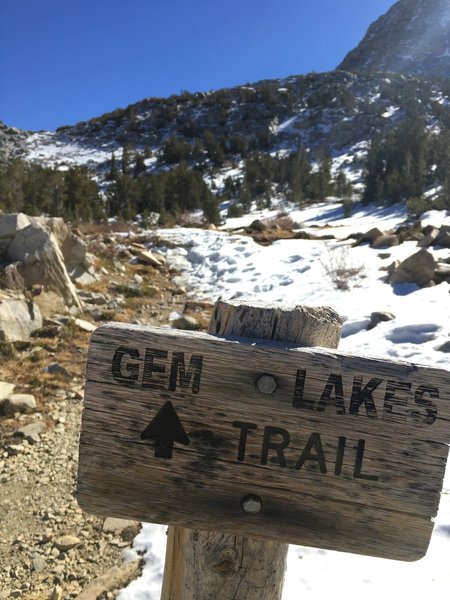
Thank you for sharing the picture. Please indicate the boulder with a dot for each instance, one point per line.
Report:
(378, 317)
(50, 303)
(56, 369)
(419, 268)
(66, 542)
(79, 263)
(371, 235)
(113, 578)
(442, 272)
(11, 223)
(31, 433)
(429, 238)
(19, 403)
(257, 226)
(41, 262)
(93, 297)
(18, 318)
(385, 241)
(444, 348)
(149, 258)
(6, 389)
(85, 325)
(186, 322)
(443, 238)
(126, 528)
(11, 278)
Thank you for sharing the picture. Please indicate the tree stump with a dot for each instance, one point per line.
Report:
(204, 565)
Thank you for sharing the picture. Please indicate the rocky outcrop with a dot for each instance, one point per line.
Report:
(436, 236)
(41, 262)
(79, 263)
(18, 318)
(44, 252)
(413, 37)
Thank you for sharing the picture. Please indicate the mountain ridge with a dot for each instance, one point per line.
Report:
(412, 37)
(249, 142)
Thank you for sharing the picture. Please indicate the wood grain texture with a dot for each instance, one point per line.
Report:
(344, 508)
(204, 564)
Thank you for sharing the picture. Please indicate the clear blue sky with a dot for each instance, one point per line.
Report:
(63, 61)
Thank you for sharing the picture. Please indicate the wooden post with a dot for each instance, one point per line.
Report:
(216, 566)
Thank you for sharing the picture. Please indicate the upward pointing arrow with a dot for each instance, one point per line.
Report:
(165, 429)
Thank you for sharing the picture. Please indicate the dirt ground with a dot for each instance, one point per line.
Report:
(50, 548)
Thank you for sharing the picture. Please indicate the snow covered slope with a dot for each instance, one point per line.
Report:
(216, 263)
(337, 111)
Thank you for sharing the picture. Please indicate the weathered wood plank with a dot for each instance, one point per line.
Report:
(201, 564)
(200, 561)
(409, 399)
(346, 453)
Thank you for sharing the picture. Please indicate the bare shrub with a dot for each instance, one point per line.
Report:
(339, 268)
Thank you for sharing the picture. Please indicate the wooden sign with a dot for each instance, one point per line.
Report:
(300, 445)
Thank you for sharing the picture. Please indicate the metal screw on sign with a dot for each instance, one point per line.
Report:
(266, 384)
(252, 504)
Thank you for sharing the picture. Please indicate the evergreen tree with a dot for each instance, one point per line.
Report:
(83, 201)
(139, 164)
(126, 159)
(214, 150)
(175, 150)
(112, 168)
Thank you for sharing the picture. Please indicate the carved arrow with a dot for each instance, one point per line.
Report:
(165, 429)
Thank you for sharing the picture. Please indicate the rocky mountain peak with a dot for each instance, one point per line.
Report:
(413, 37)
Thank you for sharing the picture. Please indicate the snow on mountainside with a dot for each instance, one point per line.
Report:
(338, 111)
(413, 37)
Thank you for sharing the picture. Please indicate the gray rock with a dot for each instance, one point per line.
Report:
(442, 272)
(419, 268)
(11, 278)
(126, 528)
(57, 593)
(149, 258)
(443, 239)
(6, 389)
(19, 318)
(371, 235)
(85, 278)
(257, 226)
(93, 297)
(39, 564)
(56, 369)
(50, 303)
(429, 238)
(10, 224)
(378, 317)
(65, 542)
(42, 262)
(85, 325)
(385, 241)
(14, 449)
(444, 348)
(31, 432)
(114, 578)
(186, 322)
(19, 403)
(73, 248)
